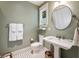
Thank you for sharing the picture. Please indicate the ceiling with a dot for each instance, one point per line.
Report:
(38, 3)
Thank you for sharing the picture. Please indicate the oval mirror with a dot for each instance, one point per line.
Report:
(62, 16)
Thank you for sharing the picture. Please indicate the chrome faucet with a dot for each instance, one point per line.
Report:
(58, 37)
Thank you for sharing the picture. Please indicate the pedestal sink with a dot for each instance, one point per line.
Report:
(62, 43)
(58, 43)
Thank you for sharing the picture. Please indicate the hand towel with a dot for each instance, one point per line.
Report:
(12, 32)
(19, 28)
(76, 37)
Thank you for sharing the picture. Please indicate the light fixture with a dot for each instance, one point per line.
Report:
(57, 3)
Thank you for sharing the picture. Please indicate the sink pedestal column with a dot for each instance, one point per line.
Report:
(55, 50)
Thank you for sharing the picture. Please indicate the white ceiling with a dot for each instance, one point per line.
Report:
(38, 3)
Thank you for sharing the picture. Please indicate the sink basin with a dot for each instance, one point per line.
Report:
(62, 43)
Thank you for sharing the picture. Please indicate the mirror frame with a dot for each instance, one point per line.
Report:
(70, 20)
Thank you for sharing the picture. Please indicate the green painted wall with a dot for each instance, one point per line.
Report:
(26, 13)
(68, 32)
(17, 12)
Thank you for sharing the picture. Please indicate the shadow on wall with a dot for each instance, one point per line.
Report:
(14, 43)
(9, 43)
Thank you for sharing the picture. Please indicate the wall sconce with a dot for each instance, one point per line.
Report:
(57, 3)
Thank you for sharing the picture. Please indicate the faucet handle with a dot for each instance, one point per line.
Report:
(63, 37)
(59, 36)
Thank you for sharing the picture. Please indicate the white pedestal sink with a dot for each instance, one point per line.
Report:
(58, 43)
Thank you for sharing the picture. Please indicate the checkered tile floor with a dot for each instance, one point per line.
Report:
(26, 53)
